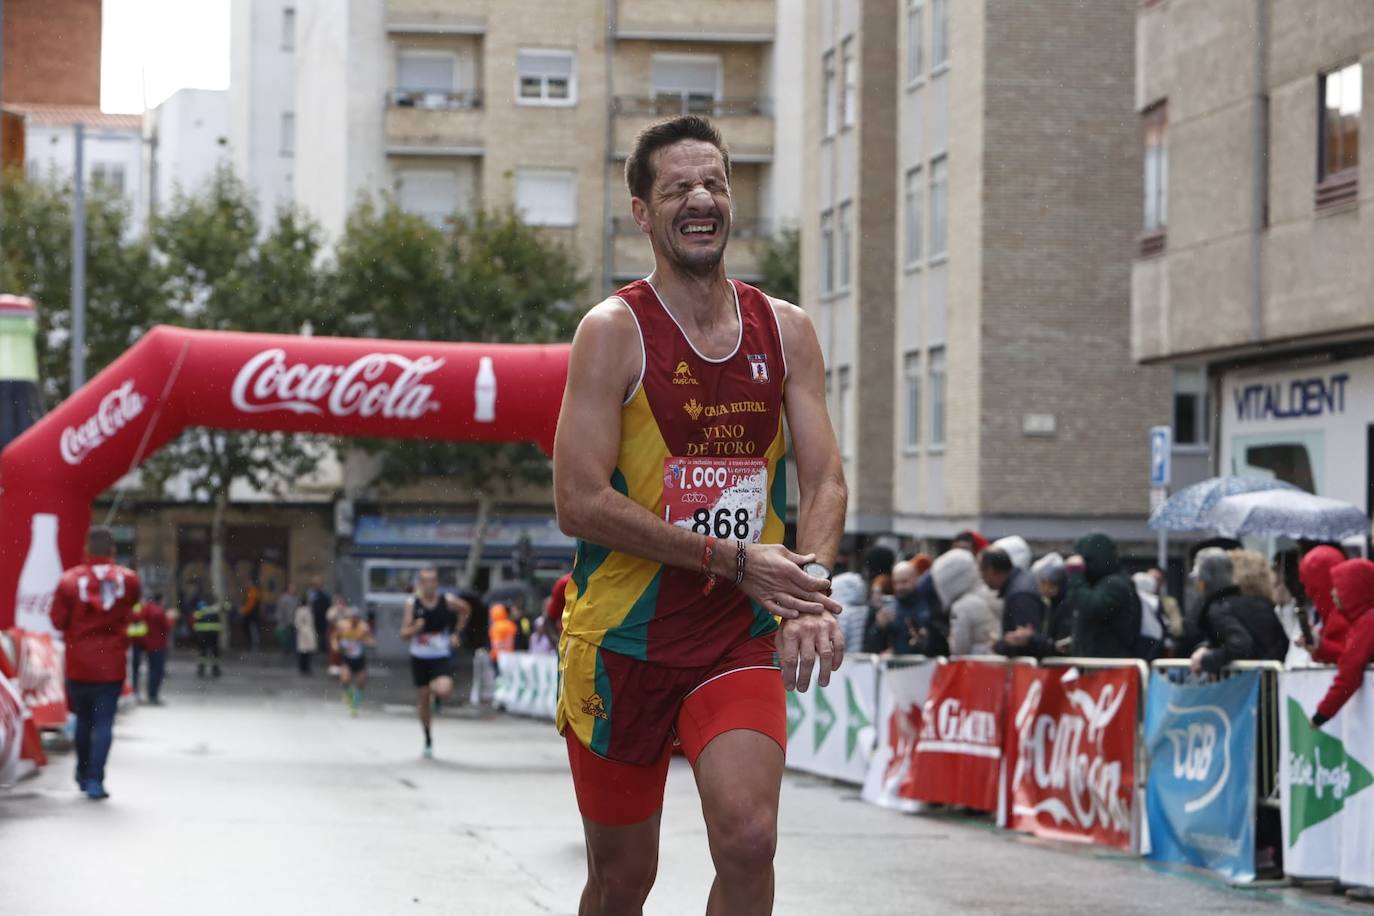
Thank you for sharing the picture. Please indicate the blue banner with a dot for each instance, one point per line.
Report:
(1201, 792)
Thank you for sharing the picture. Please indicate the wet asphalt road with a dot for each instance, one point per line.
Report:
(259, 794)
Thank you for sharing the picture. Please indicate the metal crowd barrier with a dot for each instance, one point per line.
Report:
(1268, 751)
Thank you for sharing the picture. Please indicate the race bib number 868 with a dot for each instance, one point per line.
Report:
(724, 497)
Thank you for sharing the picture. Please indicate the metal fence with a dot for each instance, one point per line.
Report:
(668, 104)
(435, 99)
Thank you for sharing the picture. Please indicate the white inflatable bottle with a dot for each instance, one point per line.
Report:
(485, 392)
(39, 578)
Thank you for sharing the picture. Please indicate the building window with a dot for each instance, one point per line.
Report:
(545, 78)
(937, 396)
(911, 375)
(288, 133)
(915, 39)
(845, 241)
(431, 194)
(849, 73)
(685, 84)
(1156, 210)
(831, 98)
(1190, 406)
(913, 206)
(939, 29)
(546, 197)
(288, 28)
(1338, 140)
(108, 175)
(939, 207)
(827, 252)
(842, 409)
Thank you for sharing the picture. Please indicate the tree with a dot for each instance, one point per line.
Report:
(489, 278)
(781, 266)
(123, 281)
(219, 275)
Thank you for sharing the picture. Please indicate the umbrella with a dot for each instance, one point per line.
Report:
(1187, 509)
(1288, 512)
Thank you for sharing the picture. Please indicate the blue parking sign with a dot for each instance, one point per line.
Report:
(1161, 451)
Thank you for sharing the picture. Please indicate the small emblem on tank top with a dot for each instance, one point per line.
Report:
(682, 375)
(693, 408)
(594, 706)
(758, 368)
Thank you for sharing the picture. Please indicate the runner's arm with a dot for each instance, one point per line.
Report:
(823, 495)
(603, 366)
(409, 625)
(464, 611)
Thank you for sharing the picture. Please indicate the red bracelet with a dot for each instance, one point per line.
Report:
(706, 557)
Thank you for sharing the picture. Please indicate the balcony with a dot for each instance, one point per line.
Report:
(434, 122)
(633, 258)
(699, 21)
(746, 123)
(426, 17)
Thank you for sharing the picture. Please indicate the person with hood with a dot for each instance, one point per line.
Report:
(1315, 573)
(1023, 607)
(502, 631)
(1236, 625)
(973, 625)
(1107, 610)
(850, 590)
(1015, 547)
(1056, 635)
(1353, 591)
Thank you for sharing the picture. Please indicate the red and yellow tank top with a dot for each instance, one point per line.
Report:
(701, 445)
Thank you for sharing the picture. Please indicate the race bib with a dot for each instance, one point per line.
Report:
(724, 497)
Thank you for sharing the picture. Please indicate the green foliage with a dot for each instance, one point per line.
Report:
(491, 278)
(781, 266)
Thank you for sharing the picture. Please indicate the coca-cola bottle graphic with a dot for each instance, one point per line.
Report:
(485, 392)
(20, 404)
(39, 577)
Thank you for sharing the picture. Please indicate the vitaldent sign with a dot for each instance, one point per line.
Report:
(1312, 396)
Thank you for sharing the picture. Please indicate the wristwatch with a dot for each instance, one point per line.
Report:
(817, 571)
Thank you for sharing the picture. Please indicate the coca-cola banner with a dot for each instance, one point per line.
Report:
(41, 678)
(12, 715)
(902, 690)
(958, 755)
(1071, 753)
(174, 378)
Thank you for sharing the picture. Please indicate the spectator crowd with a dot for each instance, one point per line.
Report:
(1309, 605)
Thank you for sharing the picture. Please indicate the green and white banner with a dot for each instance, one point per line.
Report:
(831, 731)
(527, 683)
(1326, 777)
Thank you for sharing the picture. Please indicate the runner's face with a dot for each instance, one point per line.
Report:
(688, 211)
(429, 583)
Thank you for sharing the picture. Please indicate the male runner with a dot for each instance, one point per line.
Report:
(668, 468)
(432, 622)
(352, 638)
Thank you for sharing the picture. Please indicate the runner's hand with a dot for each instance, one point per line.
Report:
(773, 577)
(803, 643)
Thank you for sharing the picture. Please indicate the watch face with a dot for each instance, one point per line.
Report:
(817, 570)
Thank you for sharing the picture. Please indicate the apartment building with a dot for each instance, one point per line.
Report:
(186, 139)
(1253, 276)
(262, 100)
(973, 186)
(453, 106)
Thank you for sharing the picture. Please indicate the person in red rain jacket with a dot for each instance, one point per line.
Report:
(1354, 586)
(91, 608)
(148, 631)
(1315, 573)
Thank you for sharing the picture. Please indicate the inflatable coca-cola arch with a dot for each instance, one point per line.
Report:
(174, 378)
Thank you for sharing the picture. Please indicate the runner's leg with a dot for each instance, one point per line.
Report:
(422, 706)
(739, 777)
(441, 687)
(622, 863)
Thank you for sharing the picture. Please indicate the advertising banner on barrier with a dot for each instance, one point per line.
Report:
(1326, 779)
(42, 681)
(1201, 797)
(12, 715)
(902, 691)
(831, 730)
(959, 749)
(527, 683)
(1072, 748)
